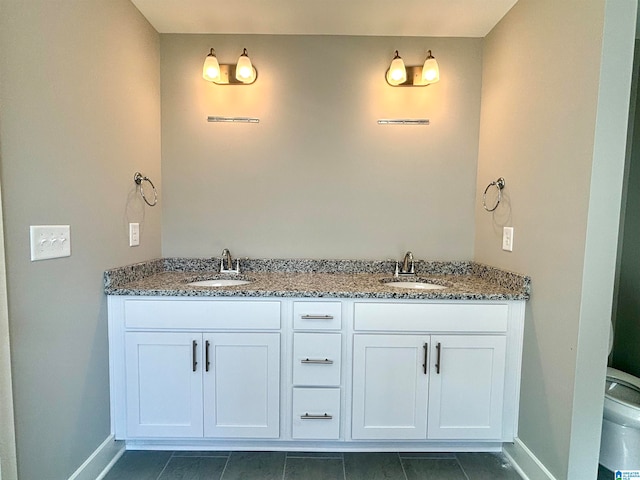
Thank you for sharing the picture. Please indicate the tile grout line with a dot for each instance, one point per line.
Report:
(225, 465)
(165, 465)
(344, 468)
(464, 472)
(402, 465)
(284, 467)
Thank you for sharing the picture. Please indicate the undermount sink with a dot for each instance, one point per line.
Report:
(220, 282)
(416, 284)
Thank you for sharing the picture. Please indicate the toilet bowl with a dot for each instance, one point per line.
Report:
(620, 443)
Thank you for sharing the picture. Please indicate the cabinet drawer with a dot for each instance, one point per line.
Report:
(201, 314)
(316, 413)
(443, 317)
(316, 359)
(317, 315)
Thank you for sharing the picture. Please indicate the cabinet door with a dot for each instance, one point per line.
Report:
(164, 384)
(242, 385)
(466, 387)
(389, 387)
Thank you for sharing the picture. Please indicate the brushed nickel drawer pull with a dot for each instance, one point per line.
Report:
(317, 317)
(306, 416)
(317, 361)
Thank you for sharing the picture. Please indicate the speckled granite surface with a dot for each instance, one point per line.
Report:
(316, 278)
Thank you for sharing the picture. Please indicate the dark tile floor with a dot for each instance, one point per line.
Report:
(151, 465)
(604, 474)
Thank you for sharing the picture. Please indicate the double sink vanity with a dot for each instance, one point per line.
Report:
(314, 355)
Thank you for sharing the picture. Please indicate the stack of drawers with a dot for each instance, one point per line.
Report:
(317, 364)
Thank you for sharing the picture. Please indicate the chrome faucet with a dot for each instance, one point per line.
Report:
(407, 266)
(226, 264)
(407, 263)
(226, 259)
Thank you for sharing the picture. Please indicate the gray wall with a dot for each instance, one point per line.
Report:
(8, 467)
(545, 112)
(80, 96)
(317, 177)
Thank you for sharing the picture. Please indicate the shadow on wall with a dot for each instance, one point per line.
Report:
(626, 354)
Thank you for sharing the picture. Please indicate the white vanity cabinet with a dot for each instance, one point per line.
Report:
(292, 373)
(213, 384)
(411, 382)
(195, 368)
(402, 392)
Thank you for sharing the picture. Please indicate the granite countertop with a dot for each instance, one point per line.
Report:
(317, 279)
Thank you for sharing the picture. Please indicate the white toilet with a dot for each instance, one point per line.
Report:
(620, 444)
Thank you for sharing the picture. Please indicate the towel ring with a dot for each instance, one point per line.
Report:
(138, 178)
(499, 184)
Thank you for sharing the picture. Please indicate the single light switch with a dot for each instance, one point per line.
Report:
(134, 234)
(507, 239)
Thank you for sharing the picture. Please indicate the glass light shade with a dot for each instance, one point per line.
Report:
(397, 73)
(430, 70)
(211, 68)
(244, 69)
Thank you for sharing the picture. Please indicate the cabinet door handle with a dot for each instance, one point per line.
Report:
(438, 348)
(306, 416)
(317, 361)
(194, 346)
(206, 355)
(317, 317)
(424, 365)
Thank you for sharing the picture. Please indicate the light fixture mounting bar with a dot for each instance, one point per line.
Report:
(414, 78)
(403, 121)
(228, 76)
(233, 120)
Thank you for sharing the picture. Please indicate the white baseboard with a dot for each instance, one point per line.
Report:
(100, 461)
(525, 462)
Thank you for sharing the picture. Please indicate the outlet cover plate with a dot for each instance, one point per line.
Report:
(50, 241)
(134, 234)
(507, 239)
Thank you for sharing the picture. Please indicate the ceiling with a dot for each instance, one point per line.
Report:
(406, 18)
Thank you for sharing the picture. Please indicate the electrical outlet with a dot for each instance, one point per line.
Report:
(50, 241)
(507, 239)
(134, 234)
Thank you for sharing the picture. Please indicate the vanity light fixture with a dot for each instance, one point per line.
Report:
(398, 75)
(245, 72)
(430, 69)
(242, 73)
(211, 68)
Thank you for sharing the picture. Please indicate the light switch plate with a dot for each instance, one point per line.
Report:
(507, 239)
(134, 234)
(50, 241)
